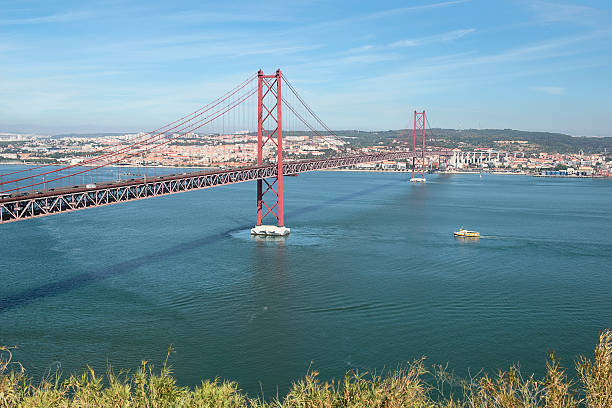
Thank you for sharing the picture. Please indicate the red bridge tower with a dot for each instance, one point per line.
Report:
(419, 129)
(270, 131)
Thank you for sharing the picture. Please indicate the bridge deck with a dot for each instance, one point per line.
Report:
(40, 204)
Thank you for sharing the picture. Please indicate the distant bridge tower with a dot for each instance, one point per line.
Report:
(419, 129)
(270, 130)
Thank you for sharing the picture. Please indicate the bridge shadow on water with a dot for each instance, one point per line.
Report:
(87, 278)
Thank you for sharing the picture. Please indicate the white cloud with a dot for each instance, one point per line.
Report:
(443, 37)
(335, 62)
(456, 64)
(53, 18)
(555, 48)
(554, 12)
(398, 11)
(551, 90)
(360, 49)
(449, 36)
(382, 14)
(229, 17)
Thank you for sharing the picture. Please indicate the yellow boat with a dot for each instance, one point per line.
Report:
(467, 234)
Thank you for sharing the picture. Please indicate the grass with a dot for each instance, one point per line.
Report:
(412, 387)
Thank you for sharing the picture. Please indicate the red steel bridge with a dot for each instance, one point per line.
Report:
(258, 106)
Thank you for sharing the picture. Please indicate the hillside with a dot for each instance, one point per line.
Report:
(92, 135)
(468, 139)
(502, 139)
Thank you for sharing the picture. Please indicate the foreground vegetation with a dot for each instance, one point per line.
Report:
(409, 387)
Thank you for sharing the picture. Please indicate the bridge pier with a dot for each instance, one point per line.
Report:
(419, 127)
(269, 100)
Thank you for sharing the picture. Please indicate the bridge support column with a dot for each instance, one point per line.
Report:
(419, 127)
(270, 132)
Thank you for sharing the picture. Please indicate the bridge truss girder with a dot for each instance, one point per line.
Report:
(35, 205)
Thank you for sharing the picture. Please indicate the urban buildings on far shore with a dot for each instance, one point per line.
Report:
(240, 149)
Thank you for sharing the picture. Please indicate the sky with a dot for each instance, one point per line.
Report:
(117, 65)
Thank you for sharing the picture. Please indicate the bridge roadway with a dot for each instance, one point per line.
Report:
(22, 206)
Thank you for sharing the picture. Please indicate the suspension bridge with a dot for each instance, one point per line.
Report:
(257, 106)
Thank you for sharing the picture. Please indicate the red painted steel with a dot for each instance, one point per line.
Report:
(259, 144)
(279, 132)
(40, 204)
(222, 111)
(419, 126)
(265, 118)
(185, 126)
(414, 145)
(20, 205)
(423, 150)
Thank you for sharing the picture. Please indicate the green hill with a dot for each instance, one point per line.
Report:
(469, 139)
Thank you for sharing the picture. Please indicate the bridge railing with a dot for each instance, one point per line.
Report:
(38, 204)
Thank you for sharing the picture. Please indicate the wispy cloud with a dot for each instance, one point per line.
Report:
(496, 66)
(194, 47)
(554, 48)
(449, 36)
(229, 17)
(334, 62)
(555, 12)
(360, 64)
(415, 42)
(362, 48)
(551, 90)
(383, 14)
(53, 18)
(398, 11)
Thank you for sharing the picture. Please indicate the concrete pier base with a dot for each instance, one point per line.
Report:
(270, 230)
(417, 180)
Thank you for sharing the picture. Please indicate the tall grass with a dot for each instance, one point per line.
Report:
(412, 387)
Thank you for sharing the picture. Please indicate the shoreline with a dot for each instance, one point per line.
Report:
(501, 173)
(110, 165)
(438, 172)
(490, 173)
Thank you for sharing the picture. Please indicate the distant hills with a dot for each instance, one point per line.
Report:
(467, 139)
(66, 135)
(501, 139)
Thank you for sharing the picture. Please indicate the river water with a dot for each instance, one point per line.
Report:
(370, 277)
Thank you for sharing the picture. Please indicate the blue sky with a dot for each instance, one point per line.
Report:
(115, 65)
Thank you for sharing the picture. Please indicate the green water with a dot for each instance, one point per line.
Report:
(370, 277)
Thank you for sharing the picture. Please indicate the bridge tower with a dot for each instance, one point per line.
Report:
(419, 129)
(270, 132)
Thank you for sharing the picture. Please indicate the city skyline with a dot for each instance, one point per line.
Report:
(128, 66)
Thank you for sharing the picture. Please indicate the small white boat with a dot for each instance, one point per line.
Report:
(467, 233)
